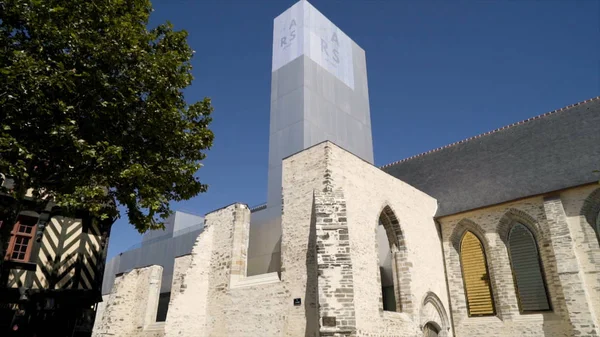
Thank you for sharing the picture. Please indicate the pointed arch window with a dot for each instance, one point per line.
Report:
(527, 270)
(392, 259)
(476, 276)
(387, 271)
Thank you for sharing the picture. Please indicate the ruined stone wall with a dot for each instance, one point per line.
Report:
(420, 271)
(130, 310)
(329, 259)
(100, 312)
(335, 268)
(208, 303)
(211, 294)
(330, 283)
(568, 252)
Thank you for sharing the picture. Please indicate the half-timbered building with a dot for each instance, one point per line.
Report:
(52, 271)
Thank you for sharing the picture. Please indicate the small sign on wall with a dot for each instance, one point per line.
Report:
(297, 301)
(329, 321)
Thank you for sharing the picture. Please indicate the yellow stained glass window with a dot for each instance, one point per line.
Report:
(475, 276)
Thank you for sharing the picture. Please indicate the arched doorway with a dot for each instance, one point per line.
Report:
(431, 330)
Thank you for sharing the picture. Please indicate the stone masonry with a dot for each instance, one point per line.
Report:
(131, 307)
(335, 282)
(564, 241)
(330, 284)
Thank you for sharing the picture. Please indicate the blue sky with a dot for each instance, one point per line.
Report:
(439, 72)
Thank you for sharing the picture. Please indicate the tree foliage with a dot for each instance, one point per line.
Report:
(92, 108)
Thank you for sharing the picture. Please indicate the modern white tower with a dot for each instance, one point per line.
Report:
(319, 92)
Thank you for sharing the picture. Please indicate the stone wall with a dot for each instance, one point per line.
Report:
(330, 283)
(130, 310)
(335, 280)
(567, 252)
(420, 269)
(214, 301)
(322, 240)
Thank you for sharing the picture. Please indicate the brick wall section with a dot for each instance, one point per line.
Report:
(188, 313)
(583, 210)
(303, 174)
(569, 272)
(560, 248)
(181, 266)
(132, 305)
(239, 249)
(206, 305)
(335, 281)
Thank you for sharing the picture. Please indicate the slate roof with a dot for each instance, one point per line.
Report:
(549, 152)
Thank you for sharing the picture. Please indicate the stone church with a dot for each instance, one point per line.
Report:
(495, 235)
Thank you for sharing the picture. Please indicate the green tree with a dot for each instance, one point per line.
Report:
(92, 111)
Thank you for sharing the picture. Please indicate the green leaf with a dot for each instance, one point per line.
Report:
(93, 108)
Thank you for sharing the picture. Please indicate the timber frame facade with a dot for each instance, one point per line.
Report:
(52, 288)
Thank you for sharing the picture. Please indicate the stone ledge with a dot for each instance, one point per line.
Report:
(481, 320)
(156, 326)
(548, 316)
(396, 316)
(254, 280)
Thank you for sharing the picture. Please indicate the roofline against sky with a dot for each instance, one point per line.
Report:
(489, 132)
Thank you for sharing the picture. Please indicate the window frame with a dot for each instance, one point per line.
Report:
(394, 238)
(542, 271)
(487, 270)
(393, 249)
(16, 234)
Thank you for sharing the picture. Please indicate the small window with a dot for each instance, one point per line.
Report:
(475, 276)
(21, 241)
(527, 270)
(163, 307)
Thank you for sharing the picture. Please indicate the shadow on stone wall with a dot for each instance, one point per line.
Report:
(311, 297)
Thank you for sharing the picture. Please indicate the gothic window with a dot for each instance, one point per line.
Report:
(21, 240)
(390, 239)
(475, 276)
(386, 270)
(430, 330)
(527, 270)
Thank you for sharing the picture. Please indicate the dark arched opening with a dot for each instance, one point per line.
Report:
(431, 330)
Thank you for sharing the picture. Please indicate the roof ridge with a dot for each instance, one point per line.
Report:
(490, 132)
